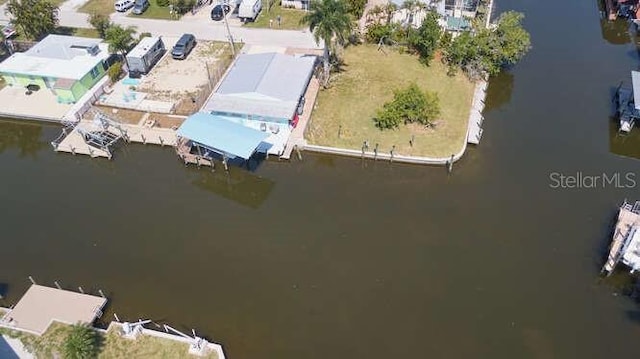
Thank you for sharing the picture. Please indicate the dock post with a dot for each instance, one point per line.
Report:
(393, 148)
(298, 152)
(161, 141)
(224, 162)
(362, 156)
(450, 164)
(73, 150)
(101, 294)
(80, 289)
(57, 284)
(375, 153)
(116, 316)
(144, 140)
(32, 281)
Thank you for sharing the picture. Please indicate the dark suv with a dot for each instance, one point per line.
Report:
(219, 11)
(183, 47)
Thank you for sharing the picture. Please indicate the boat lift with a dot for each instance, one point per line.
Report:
(197, 346)
(131, 330)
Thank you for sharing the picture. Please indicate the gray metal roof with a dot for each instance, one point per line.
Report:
(635, 80)
(61, 47)
(268, 84)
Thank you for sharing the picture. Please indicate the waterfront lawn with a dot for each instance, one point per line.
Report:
(366, 81)
(104, 7)
(290, 18)
(111, 345)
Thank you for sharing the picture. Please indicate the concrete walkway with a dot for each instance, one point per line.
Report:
(201, 26)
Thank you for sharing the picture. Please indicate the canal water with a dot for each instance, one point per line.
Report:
(331, 257)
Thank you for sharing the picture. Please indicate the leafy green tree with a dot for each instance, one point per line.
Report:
(100, 22)
(426, 38)
(120, 39)
(376, 32)
(487, 51)
(35, 18)
(356, 7)
(329, 21)
(80, 343)
(410, 105)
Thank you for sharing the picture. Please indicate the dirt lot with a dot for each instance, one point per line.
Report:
(174, 80)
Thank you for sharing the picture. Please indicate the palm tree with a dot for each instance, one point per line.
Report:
(330, 22)
(80, 343)
(120, 40)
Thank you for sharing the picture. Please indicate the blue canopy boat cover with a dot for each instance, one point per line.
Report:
(223, 136)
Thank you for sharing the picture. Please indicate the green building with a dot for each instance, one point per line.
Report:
(68, 66)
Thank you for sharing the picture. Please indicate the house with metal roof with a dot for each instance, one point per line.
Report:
(66, 65)
(264, 91)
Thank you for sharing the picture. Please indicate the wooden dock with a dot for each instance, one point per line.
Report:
(296, 139)
(40, 306)
(628, 218)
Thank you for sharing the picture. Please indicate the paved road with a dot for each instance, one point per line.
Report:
(200, 25)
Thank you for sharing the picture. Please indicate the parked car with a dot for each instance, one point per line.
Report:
(140, 6)
(183, 47)
(9, 31)
(219, 11)
(123, 5)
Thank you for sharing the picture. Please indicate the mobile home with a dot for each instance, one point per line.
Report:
(249, 10)
(145, 55)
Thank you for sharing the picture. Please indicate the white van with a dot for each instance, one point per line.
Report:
(249, 10)
(123, 5)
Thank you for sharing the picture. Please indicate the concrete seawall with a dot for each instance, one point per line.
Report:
(473, 127)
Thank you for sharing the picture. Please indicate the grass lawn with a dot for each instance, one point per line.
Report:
(76, 31)
(367, 81)
(104, 7)
(290, 18)
(155, 12)
(112, 345)
(65, 30)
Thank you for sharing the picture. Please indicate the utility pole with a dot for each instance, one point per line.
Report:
(224, 15)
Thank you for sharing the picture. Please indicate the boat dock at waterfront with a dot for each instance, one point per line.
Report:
(625, 245)
(40, 306)
(475, 116)
(96, 138)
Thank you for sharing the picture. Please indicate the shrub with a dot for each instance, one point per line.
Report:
(80, 343)
(100, 22)
(115, 71)
(143, 35)
(162, 3)
(408, 106)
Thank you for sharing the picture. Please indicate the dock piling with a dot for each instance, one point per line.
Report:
(298, 153)
(116, 316)
(393, 148)
(32, 281)
(101, 293)
(80, 289)
(375, 153)
(57, 284)
(450, 164)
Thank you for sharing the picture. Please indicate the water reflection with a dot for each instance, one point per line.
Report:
(499, 91)
(616, 32)
(238, 185)
(627, 145)
(25, 136)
